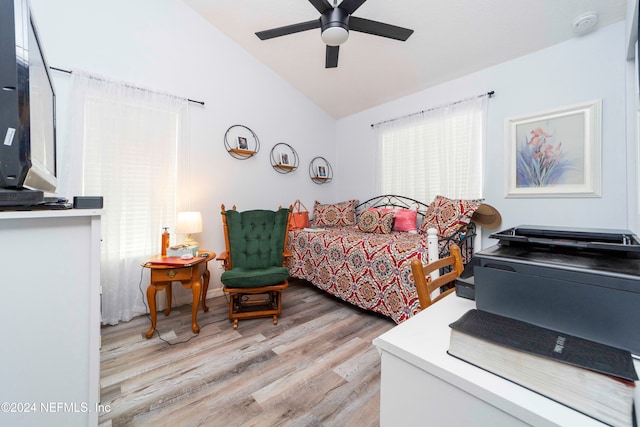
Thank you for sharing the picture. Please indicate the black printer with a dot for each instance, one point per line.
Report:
(584, 282)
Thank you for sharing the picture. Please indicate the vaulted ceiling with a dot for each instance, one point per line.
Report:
(451, 38)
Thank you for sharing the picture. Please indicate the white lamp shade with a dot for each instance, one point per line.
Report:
(189, 222)
(335, 36)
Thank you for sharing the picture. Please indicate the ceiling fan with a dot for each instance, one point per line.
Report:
(335, 22)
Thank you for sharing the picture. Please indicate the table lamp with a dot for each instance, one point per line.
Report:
(189, 223)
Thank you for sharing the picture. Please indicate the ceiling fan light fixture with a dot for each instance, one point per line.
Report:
(334, 24)
(335, 36)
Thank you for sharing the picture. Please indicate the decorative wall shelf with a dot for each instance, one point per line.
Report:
(284, 159)
(241, 142)
(320, 170)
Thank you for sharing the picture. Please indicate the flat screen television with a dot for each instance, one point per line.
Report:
(28, 172)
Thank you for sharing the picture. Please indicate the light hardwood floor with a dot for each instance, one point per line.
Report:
(317, 367)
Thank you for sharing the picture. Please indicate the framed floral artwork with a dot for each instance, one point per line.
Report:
(555, 153)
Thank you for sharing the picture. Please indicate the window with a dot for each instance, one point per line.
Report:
(437, 152)
(130, 139)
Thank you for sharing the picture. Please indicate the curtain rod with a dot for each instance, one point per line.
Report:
(70, 72)
(489, 94)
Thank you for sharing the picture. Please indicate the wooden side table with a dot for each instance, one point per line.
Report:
(193, 275)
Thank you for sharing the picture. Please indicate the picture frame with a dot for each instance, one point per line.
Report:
(321, 171)
(242, 143)
(555, 153)
(284, 159)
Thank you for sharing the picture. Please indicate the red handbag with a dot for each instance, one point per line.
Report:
(299, 218)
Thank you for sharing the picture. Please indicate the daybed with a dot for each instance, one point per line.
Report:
(372, 269)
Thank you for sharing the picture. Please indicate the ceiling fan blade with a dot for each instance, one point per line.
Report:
(321, 5)
(288, 29)
(331, 60)
(351, 6)
(379, 28)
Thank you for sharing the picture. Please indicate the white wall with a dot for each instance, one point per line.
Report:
(581, 69)
(166, 46)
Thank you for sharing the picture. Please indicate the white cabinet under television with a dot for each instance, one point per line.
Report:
(50, 316)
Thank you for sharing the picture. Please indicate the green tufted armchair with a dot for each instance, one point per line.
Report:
(254, 262)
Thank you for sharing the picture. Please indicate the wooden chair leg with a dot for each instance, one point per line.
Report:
(232, 301)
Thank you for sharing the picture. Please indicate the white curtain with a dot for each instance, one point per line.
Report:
(128, 141)
(436, 152)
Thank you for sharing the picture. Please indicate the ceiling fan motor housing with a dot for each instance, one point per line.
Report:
(334, 24)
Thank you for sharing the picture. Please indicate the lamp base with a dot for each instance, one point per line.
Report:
(189, 241)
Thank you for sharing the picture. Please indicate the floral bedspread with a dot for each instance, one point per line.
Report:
(369, 270)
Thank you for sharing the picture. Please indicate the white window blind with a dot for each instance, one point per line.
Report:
(436, 152)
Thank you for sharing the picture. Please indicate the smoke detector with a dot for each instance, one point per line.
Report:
(585, 23)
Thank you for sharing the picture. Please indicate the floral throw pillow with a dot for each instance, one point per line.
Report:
(335, 214)
(448, 215)
(376, 221)
(403, 219)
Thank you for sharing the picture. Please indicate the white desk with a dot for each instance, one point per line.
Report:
(422, 385)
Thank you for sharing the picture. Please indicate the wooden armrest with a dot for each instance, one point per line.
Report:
(287, 253)
(224, 257)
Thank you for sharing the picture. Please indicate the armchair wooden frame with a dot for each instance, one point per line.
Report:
(251, 303)
(425, 285)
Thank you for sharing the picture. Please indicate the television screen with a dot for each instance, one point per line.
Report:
(42, 131)
(27, 110)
